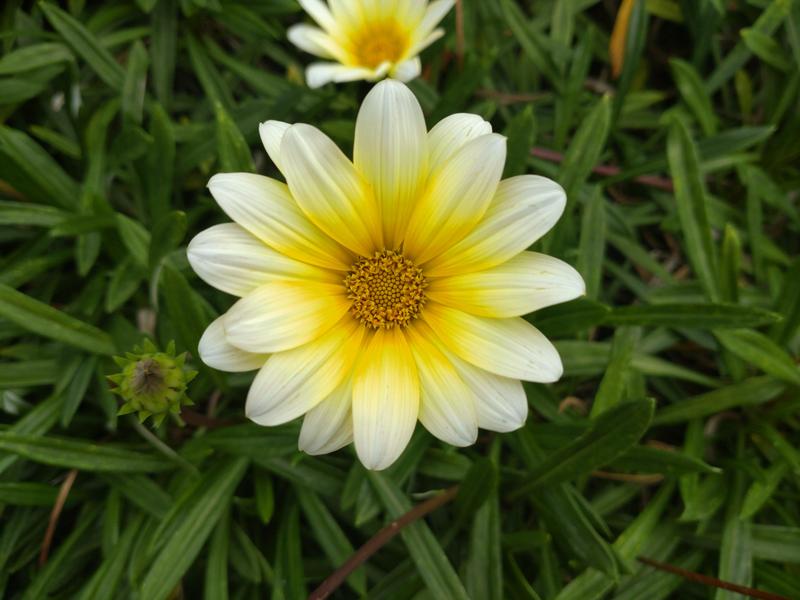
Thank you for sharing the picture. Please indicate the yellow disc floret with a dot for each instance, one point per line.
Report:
(377, 43)
(387, 289)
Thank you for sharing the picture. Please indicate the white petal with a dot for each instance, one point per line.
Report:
(329, 425)
(271, 133)
(281, 315)
(508, 347)
(315, 41)
(457, 196)
(411, 12)
(501, 402)
(328, 189)
(523, 210)
(318, 74)
(435, 13)
(526, 283)
(265, 208)
(218, 353)
(390, 152)
(229, 258)
(423, 42)
(446, 404)
(385, 399)
(407, 70)
(293, 382)
(319, 11)
(450, 134)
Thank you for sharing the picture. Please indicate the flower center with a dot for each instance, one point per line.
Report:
(387, 289)
(147, 377)
(379, 42)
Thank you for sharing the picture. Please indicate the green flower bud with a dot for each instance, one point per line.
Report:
(152, 383)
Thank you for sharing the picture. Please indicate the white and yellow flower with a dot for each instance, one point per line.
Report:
(368, 39)
(387, 289)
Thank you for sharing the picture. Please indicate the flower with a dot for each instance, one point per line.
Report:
(152, 382)
(368, 39)
(387, 289)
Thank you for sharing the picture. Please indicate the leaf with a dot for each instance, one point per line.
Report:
(183, 307)
(477, 486)
(106, 578)
(330, 536)
(23, 162)
(521, 132)
(766, 48)
(77, 390)
(426, 552)
(47, 321)
(27, 494)
(135, 238)
(690, 198)
(586, 146)
(81, 455)
(698, 316)
(234, 154)
(609, 436)
(644, 459)
(613, 385)
(753, 391)
(592, 245)
(34, 56)
(85, 45)
(135, 83)
(216, 578)
(619, 36)
(289, 562)
(570, 522)
(168, 232)
(484, 571)
(189, 524)
(759, 350)
(690, 85)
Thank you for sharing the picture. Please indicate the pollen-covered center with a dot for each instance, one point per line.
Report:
(379, 42)
(387, 289)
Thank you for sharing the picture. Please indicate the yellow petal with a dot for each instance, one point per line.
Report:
(328, 189)
(385, 399)
(522, 211)
(271, 133)
(265, 208)
(315, 41)
(457, 196)
(293, 382)
(218, 353)
(229, 258)
(450, 134)
(501, 402)
(407, 70)
(318, 10)
(508, 347)
(446, 404)
(329, 425)
(281, 315)
(390, 152)
(526, 283)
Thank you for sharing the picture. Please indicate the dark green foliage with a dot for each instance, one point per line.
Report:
(673, 434)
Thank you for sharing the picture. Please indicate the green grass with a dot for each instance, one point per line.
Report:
(674, 433)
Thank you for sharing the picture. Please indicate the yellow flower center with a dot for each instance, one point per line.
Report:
(379, 42)
(387, 289)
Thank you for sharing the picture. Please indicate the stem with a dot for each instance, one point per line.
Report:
(61, 499)
(380, 539)
(712, 581)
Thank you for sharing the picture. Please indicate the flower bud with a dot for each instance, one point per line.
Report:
(152, 383)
